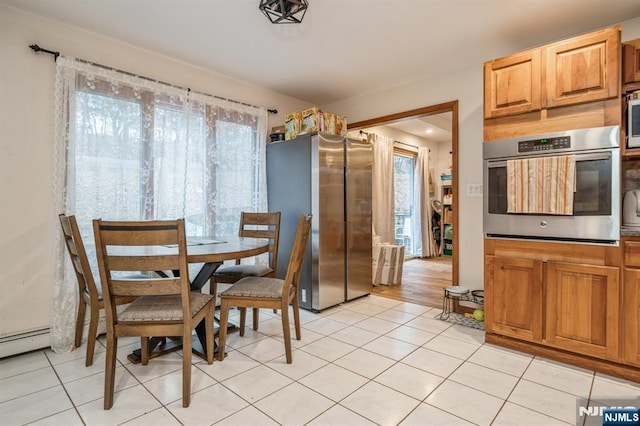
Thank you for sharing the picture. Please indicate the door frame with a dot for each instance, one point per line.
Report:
(445, 107)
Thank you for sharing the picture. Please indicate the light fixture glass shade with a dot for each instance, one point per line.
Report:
(284, 11)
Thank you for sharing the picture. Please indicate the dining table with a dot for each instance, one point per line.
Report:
(211, 252)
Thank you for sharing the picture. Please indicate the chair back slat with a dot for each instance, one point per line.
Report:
(143, 264)
(142, 287)
(125, 234)
(257, 233)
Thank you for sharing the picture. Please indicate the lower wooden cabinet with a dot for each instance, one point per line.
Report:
(564, 301)
(580, 303)
(582, 308)
(514, 289)
(631, 316)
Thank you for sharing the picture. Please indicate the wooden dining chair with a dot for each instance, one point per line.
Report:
(256, 225)
(90, 293)
(268, 292)
(165, 306)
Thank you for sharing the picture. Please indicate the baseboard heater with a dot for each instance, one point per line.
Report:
(24, 342)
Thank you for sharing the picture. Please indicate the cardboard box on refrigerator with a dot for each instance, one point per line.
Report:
(311, 120)
(328, 124)
(292, 125)
(341, 125)
(334, 124)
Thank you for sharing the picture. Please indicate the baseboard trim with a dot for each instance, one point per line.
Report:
(623, 371)
(24, 342)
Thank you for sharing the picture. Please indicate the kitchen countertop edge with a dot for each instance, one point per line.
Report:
(629, 232)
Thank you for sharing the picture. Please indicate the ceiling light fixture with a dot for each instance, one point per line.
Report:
(429, 130)
(284, 11)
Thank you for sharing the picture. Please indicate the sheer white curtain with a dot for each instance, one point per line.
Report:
(423, 234)
(383, 206)
(130, 148)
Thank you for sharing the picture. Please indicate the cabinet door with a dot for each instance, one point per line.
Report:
(583, 69)
(631, 318)
(512, 84)
(582, 312)
(513, 297)
(631, 61)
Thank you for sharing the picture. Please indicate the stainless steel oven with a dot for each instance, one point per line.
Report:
(596, 200)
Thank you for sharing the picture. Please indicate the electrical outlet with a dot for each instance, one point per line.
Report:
(474, 189)
(303, 294)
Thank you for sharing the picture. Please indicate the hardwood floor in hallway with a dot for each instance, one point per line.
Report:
(423, 281)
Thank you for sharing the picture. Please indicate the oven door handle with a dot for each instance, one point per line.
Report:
(579, 157)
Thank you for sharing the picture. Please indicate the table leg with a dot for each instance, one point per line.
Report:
(204, 275)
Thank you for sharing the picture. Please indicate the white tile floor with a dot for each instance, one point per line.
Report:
(371, 361)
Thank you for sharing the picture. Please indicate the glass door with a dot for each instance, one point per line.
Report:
(404, 166)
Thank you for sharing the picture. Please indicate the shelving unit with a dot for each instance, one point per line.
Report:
(446, 234)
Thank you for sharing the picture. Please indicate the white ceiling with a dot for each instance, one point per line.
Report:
(343, 48)
(439, 127)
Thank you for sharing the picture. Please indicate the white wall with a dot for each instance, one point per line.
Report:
(466, 86)
(27, 219)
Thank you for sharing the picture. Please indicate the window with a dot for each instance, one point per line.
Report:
(403, 185)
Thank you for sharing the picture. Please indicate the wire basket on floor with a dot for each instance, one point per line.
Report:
(462, 320)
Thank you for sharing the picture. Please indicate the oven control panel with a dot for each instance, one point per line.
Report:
(545, 144)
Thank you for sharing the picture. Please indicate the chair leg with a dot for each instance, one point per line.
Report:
(296, 317)
(213, 288)
(222, 334)
(209, 333)
(287, 334)
(82, 309)
(110, 370)
(144, 350)
(94, 316)
(256, 318)
(243, 320)
(186, 368)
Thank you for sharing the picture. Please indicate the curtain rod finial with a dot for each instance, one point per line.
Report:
(37, 49)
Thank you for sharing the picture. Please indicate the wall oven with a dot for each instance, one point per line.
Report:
(595, 216)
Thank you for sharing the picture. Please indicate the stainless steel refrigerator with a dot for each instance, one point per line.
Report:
(330, 177)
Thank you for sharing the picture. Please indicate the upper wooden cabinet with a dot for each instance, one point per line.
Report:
(575, 71)
(583, 69)
(512, 84)
(631, 61)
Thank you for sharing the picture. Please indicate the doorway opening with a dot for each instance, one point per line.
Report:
(423, 278)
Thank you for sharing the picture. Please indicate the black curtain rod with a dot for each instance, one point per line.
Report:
(38, 49)
(362, 132)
